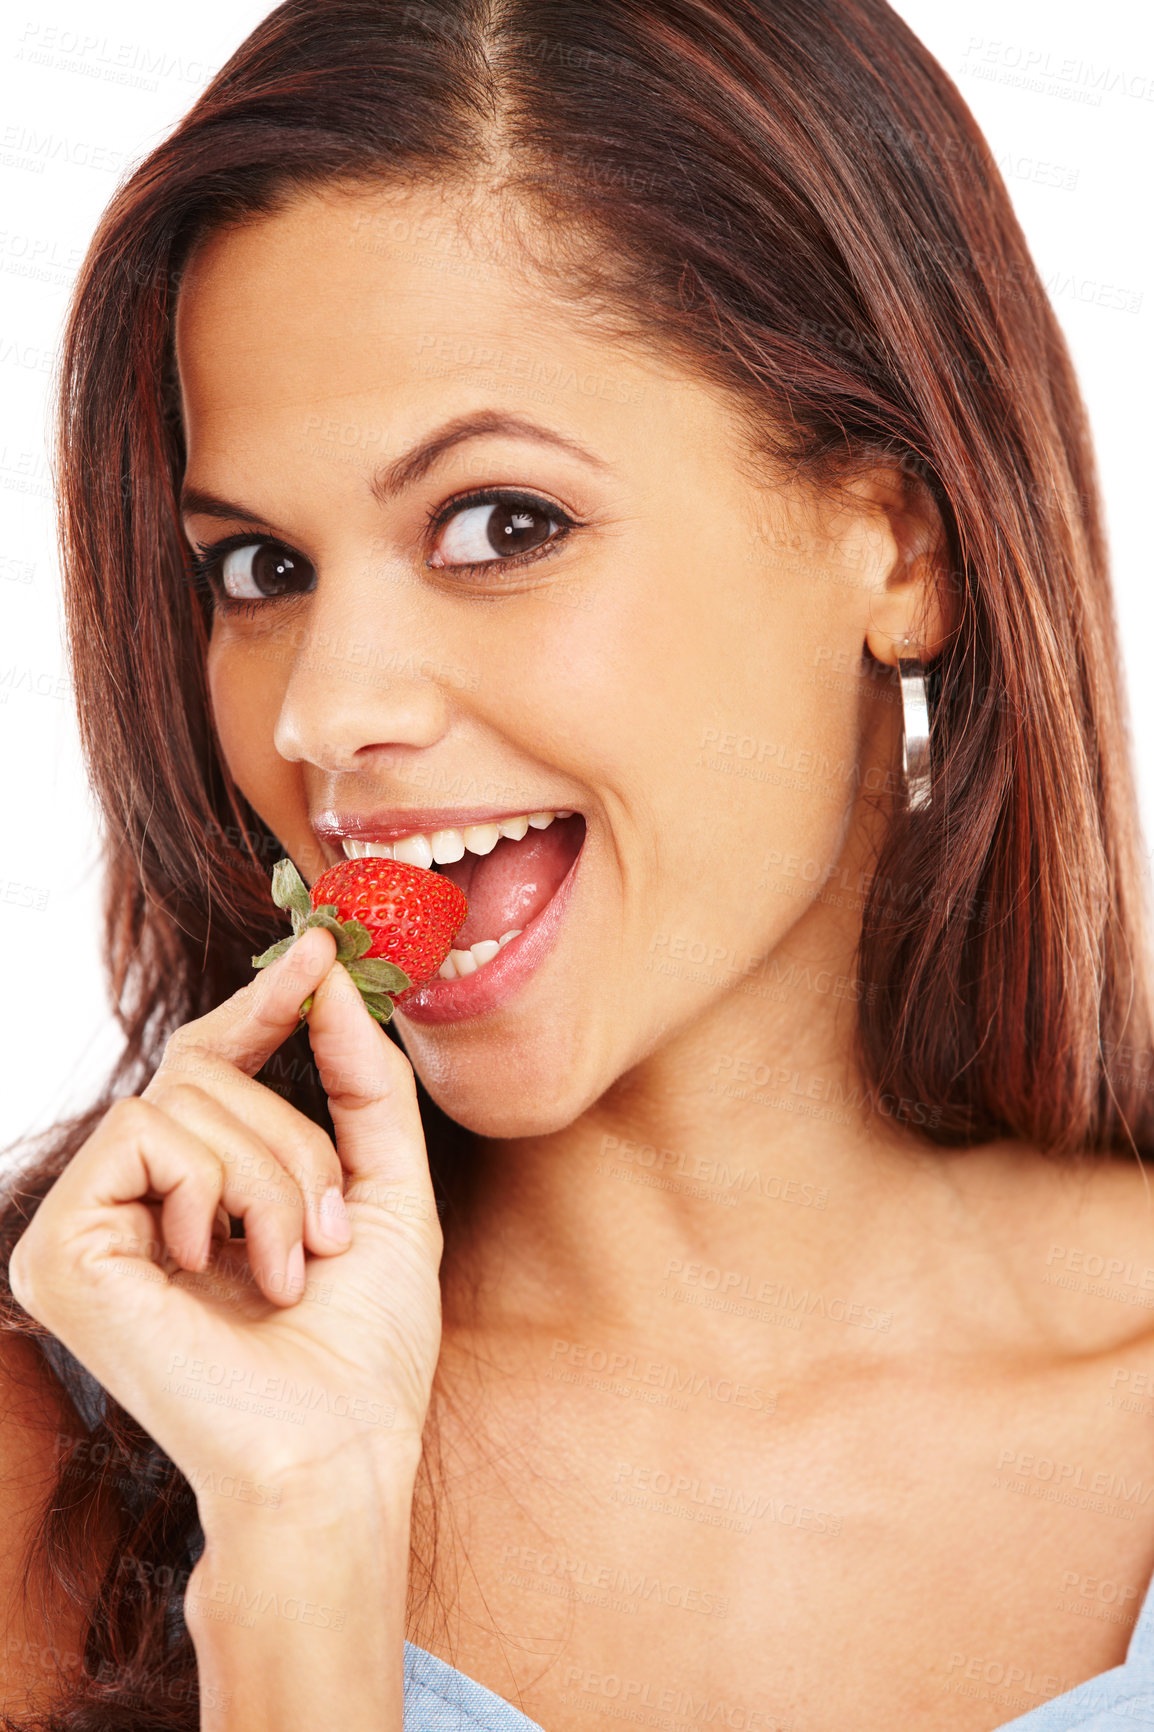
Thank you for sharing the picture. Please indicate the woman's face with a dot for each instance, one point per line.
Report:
(668, 651)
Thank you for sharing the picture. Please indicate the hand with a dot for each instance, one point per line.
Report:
(259, 1361)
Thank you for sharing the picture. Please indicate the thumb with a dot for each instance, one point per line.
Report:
(373, 1101)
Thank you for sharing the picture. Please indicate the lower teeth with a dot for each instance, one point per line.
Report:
(461, 962)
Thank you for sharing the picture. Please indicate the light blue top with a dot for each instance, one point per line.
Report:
(440, 1699)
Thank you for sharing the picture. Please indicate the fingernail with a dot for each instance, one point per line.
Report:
(333, 1217)
(294, 1268)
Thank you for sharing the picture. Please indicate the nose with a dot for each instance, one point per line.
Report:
(361, 679)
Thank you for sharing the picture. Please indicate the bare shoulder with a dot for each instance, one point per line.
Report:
(1104, 1263)
(35, 1415)
(1095, 1238)
(1078, 1236)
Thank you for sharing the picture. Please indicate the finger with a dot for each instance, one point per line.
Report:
(86, 1266)
(254, 1186)
(187, 1163)
(95, 1221)
(247, 1028)
(301, 1147)
(372, 1100)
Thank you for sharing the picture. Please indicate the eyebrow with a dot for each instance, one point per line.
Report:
(410, 468)
(414, 464)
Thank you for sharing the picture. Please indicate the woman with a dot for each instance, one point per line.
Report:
(535, 440)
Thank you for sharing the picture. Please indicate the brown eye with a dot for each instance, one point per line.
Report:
(479, 533)
(261, 569)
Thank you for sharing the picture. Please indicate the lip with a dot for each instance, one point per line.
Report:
(491, 986)
(390, 824)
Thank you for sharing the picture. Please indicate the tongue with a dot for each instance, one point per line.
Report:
(512, 884)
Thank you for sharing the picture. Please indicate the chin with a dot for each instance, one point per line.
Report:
(528, 1082)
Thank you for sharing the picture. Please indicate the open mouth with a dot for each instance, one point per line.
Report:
(509, 869)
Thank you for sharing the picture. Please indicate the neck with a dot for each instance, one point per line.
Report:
(744, 1164)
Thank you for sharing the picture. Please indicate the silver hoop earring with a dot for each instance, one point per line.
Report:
(916, 730)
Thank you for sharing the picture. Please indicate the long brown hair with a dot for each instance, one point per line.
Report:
(793, 198)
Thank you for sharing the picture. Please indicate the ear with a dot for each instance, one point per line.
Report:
(911, 609)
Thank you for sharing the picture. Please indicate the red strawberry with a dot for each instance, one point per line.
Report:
(413, 914)
(394, 924)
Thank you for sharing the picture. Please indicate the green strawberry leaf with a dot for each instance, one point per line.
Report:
(376, 974)
(289, 890)
(273, 951)
(357, 940)
(323, 917)
(379, 1005)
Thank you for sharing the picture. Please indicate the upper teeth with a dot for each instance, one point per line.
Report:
(444, 846)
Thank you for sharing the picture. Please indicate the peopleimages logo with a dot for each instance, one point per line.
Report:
(1021, 63)
(660, 1374)
(234, 1386)
(616, 1579)
(734, 1284)
(728, 1499)
(1060, 1480)
(1075, 1260)
(719, 1173)
(138, 65)
(664, 1704)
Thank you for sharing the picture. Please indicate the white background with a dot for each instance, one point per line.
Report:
(1076, 154)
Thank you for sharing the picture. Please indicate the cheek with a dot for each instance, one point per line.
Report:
(754, 758)
(247, 689)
